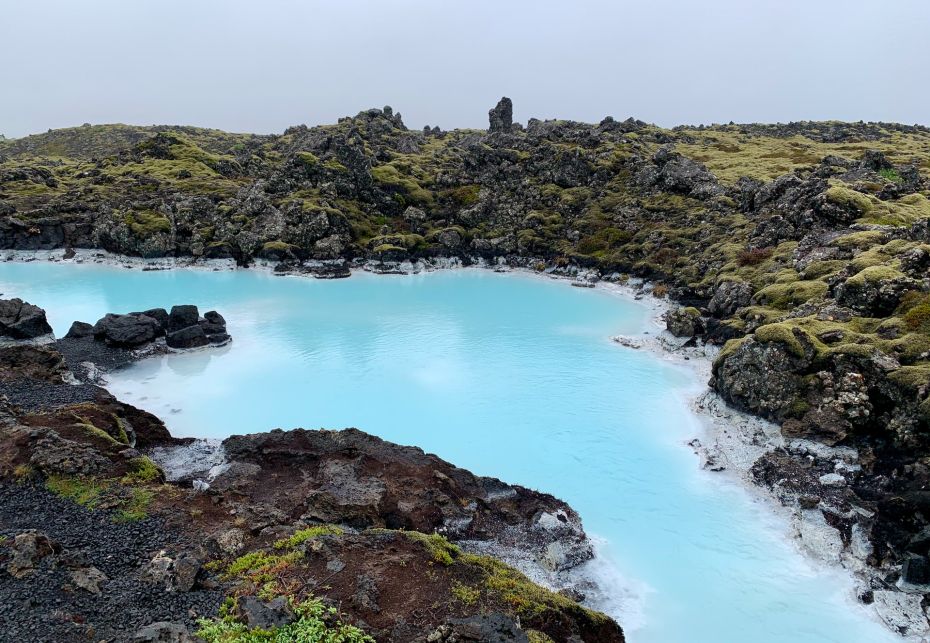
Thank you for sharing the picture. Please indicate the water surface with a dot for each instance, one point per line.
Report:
(507, 375)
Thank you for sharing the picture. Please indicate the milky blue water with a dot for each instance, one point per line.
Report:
(507, 375)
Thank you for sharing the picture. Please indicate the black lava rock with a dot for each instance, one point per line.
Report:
(22, 320)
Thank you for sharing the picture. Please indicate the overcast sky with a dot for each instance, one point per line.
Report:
(260, 65)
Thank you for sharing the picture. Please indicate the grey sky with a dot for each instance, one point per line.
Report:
(261, 66)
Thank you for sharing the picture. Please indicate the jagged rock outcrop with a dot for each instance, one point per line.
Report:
(22, 320)
(501, 116)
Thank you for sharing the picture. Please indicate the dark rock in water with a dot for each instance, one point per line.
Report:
(22, 320)
(219, 339)
(160, 315)
(188, 337)
(127, 330)
(182, 317)
(266, 616)
(501, 116)
(212, 323)
(80, 329)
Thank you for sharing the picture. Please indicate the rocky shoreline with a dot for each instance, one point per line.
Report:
(340, 516)
(751, 449)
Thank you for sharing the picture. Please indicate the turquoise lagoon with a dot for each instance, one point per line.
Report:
(508, 375)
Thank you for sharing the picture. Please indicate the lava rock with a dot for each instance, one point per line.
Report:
(266, 616)
(189, 337)
(182, 317)
(127, 331)
(160, 315)
(28, 549)
(501, 116)
(79, 330)
(684, 322)
(22, 320)
(164, 632)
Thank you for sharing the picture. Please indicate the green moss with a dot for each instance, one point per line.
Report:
(141, 471)
(891, 174)
(87, 492)
(917, 316)
(136, 507)
(505, 584)
(335, 166)
(784, 296)
(844, 197)
(783, 333)
(391, 175)
(146, 223)
(862, 239)
(98, 433)
(261, 566)
(309, 159)
(535, 636)
(465, 594)
(303, 535)
(464, 195)
(278, 246)
(912, 378)
(874, 274)
(437, 545)
(729, 348)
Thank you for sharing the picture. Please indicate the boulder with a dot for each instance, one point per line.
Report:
(275, 613)
(915, 572)
(27, 550)
(127, 331)
(160, 315)
(88, 579)
(488, 628)
(728, 297)
(762, 377)
(182, 317)
(188, 337)
(80, 329)
(22, 320)
(684, 322)
(676, 173)
(213, 323)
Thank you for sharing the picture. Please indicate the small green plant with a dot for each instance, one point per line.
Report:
(303, 535)
(891, 174)
(311, 626)
(131, 503)
(86, 492)
(261, 566)
(136, 507)
(465, 594)
(141, 471)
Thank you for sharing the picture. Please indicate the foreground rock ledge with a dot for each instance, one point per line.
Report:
(340, 517)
